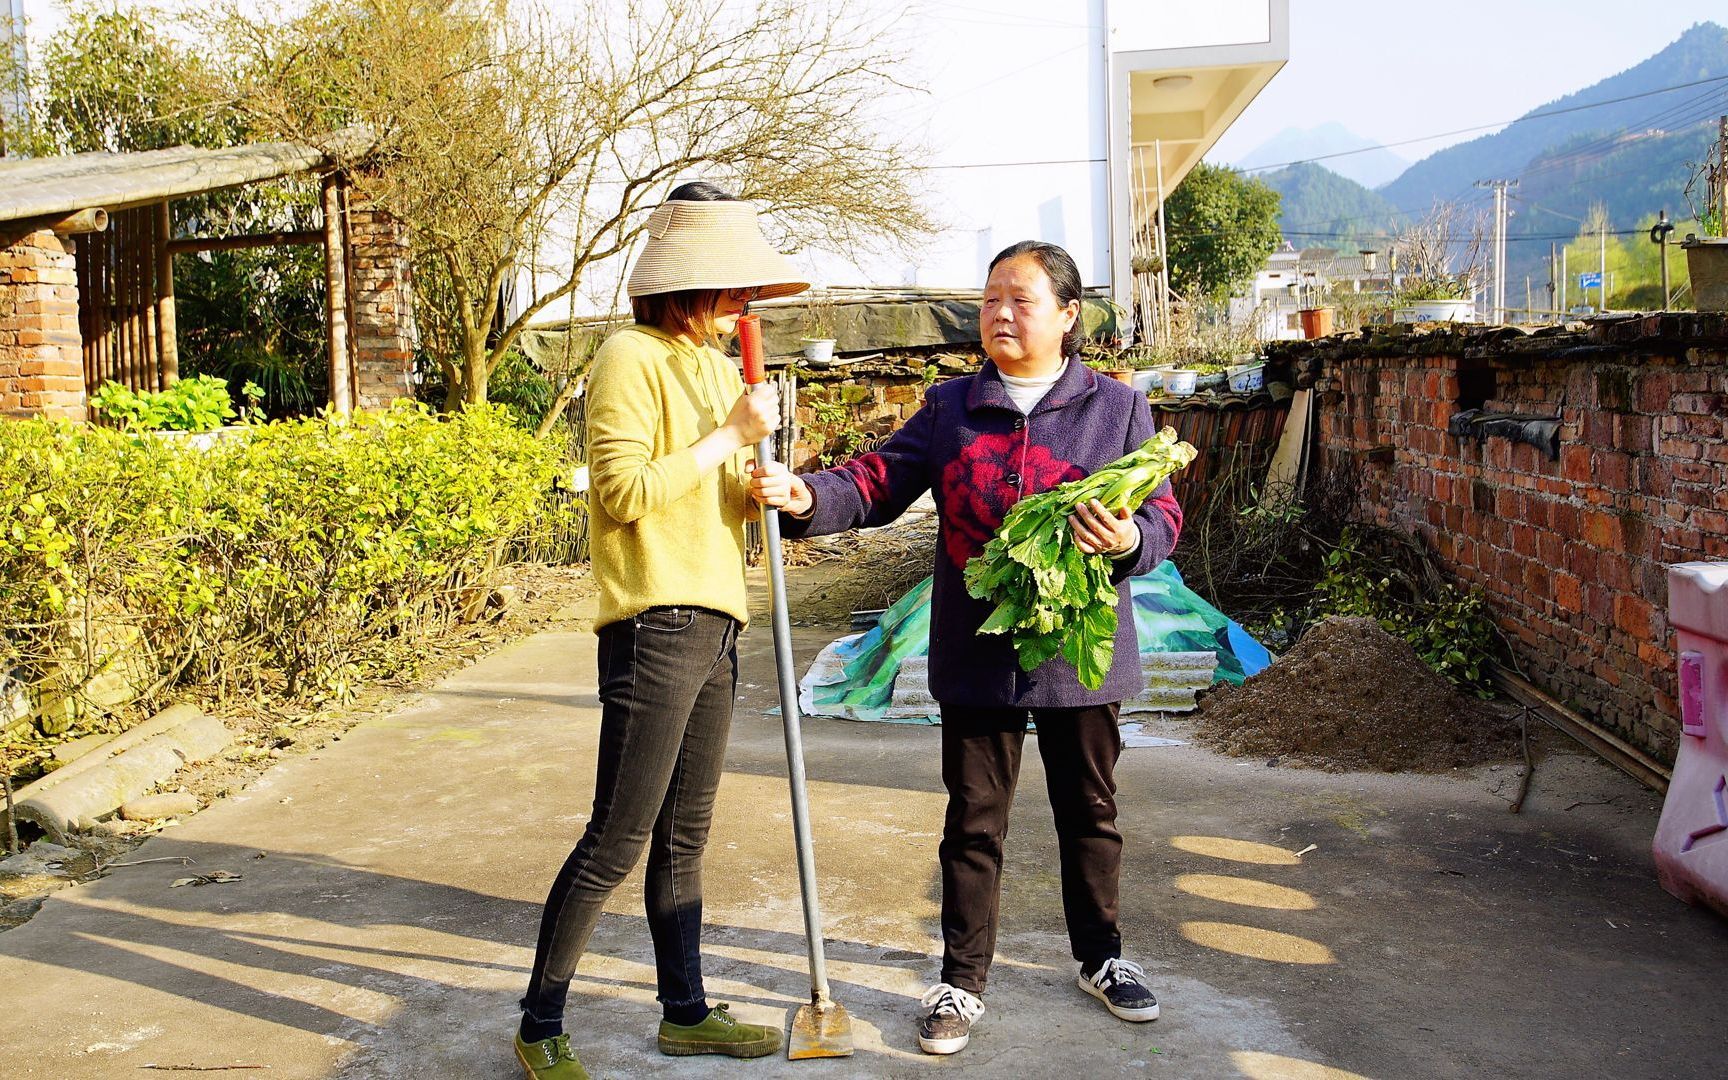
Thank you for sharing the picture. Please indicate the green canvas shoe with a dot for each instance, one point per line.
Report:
(718, 1033)
(549, 1059)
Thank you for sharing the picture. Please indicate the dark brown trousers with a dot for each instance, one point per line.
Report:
(981, 749)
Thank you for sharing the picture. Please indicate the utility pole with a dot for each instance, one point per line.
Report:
(1562, 305)
(1499, 294)
(1554, 277)
(1722, 169)
(1602, 268)
(1659, 236)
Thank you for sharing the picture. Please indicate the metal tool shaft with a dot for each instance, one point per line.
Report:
(792, 722)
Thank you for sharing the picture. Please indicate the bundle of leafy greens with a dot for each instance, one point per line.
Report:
(1052, 597)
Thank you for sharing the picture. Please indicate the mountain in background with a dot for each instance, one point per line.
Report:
(1370, 168)
(1699, 53)
(1319, 208)
(1631, 157)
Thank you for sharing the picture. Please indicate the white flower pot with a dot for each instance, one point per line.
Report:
(1247, 378)
(818, 350)
(1180, 382)
(1463, 311)
(1146, 380)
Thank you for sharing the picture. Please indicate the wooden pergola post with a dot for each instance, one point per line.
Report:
(336, 294)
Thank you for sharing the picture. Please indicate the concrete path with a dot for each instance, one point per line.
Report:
(392, 881)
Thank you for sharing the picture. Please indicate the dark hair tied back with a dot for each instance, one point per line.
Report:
(1064, 282)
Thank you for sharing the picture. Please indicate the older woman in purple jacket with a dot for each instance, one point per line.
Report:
(1033, 417)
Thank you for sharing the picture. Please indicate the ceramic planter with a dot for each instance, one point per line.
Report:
(1316, 322)
(1462, 311)
(1707, 263)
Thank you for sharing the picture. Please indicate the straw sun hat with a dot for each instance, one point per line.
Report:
(710, 245)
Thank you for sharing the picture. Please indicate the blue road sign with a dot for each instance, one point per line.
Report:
(1590, 280)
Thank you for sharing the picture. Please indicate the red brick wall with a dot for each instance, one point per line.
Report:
(41, 352)
(380, 277)
(1571, 553)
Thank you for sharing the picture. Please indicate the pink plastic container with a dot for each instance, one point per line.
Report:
(1691, 843)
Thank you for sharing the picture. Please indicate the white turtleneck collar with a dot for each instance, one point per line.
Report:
(1026, 393)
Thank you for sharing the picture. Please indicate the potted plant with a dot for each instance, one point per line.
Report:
(1316, 321)
(818, 339)
(194, 410)
(1707, 255)
(1434, 299)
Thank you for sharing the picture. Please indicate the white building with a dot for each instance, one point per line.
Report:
(1292, 280)
(1100, 91)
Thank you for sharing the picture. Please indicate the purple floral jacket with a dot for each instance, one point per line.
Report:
(981, 456)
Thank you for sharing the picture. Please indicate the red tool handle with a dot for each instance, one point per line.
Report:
(750, 345)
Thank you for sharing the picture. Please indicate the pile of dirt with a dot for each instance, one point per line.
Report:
(1350, 696)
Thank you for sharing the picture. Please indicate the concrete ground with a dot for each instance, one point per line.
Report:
(391, 886)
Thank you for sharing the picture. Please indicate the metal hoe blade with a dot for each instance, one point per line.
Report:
(820, 1029)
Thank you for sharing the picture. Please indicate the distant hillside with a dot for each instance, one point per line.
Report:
(1699, 53)
(1370, 168)
(1319, 208)
(1633, 177)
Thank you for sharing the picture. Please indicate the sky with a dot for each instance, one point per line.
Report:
(1393, 69)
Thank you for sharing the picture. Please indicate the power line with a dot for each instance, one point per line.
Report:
(1674, 119)
(1485, 127)
(1017, 164)
(1449, 239)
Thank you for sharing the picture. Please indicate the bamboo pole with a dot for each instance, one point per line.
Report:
(134, 339)
(336, 295)
(154, 175)
(168, 335)
(122, 326)
(96, 249)
(86, 310)
(147, 297)
(1163, 242)
(192, 244)
(104, 310)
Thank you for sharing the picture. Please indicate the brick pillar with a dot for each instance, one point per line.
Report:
(41, 350)
(380, 276)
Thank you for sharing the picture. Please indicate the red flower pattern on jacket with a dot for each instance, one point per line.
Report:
(984, 482)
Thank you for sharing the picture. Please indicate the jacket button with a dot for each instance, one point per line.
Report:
(1013, 478)
(1019, 423)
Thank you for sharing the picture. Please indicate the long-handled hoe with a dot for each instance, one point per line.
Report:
(820, 1029)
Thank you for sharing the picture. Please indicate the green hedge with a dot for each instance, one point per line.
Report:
(288, 560)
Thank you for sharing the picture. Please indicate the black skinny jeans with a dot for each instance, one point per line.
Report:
(981, 751)
(667, 679)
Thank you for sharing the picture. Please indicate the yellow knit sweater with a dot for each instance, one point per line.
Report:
(659, 532)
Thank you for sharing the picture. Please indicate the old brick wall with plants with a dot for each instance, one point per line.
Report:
(845, 410)
(1570, 549)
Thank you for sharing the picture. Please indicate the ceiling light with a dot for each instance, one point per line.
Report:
(1172, 82)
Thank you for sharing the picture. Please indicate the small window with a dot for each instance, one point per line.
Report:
(1475, 387)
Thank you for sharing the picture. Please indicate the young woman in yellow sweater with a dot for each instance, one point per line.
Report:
(670, 430)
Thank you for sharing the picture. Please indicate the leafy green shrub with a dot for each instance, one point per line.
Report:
(196, 404)
(1417, 290)
(294, 559)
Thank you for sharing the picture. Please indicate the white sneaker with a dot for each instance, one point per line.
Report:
(1121, 986)
(947, 1027)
